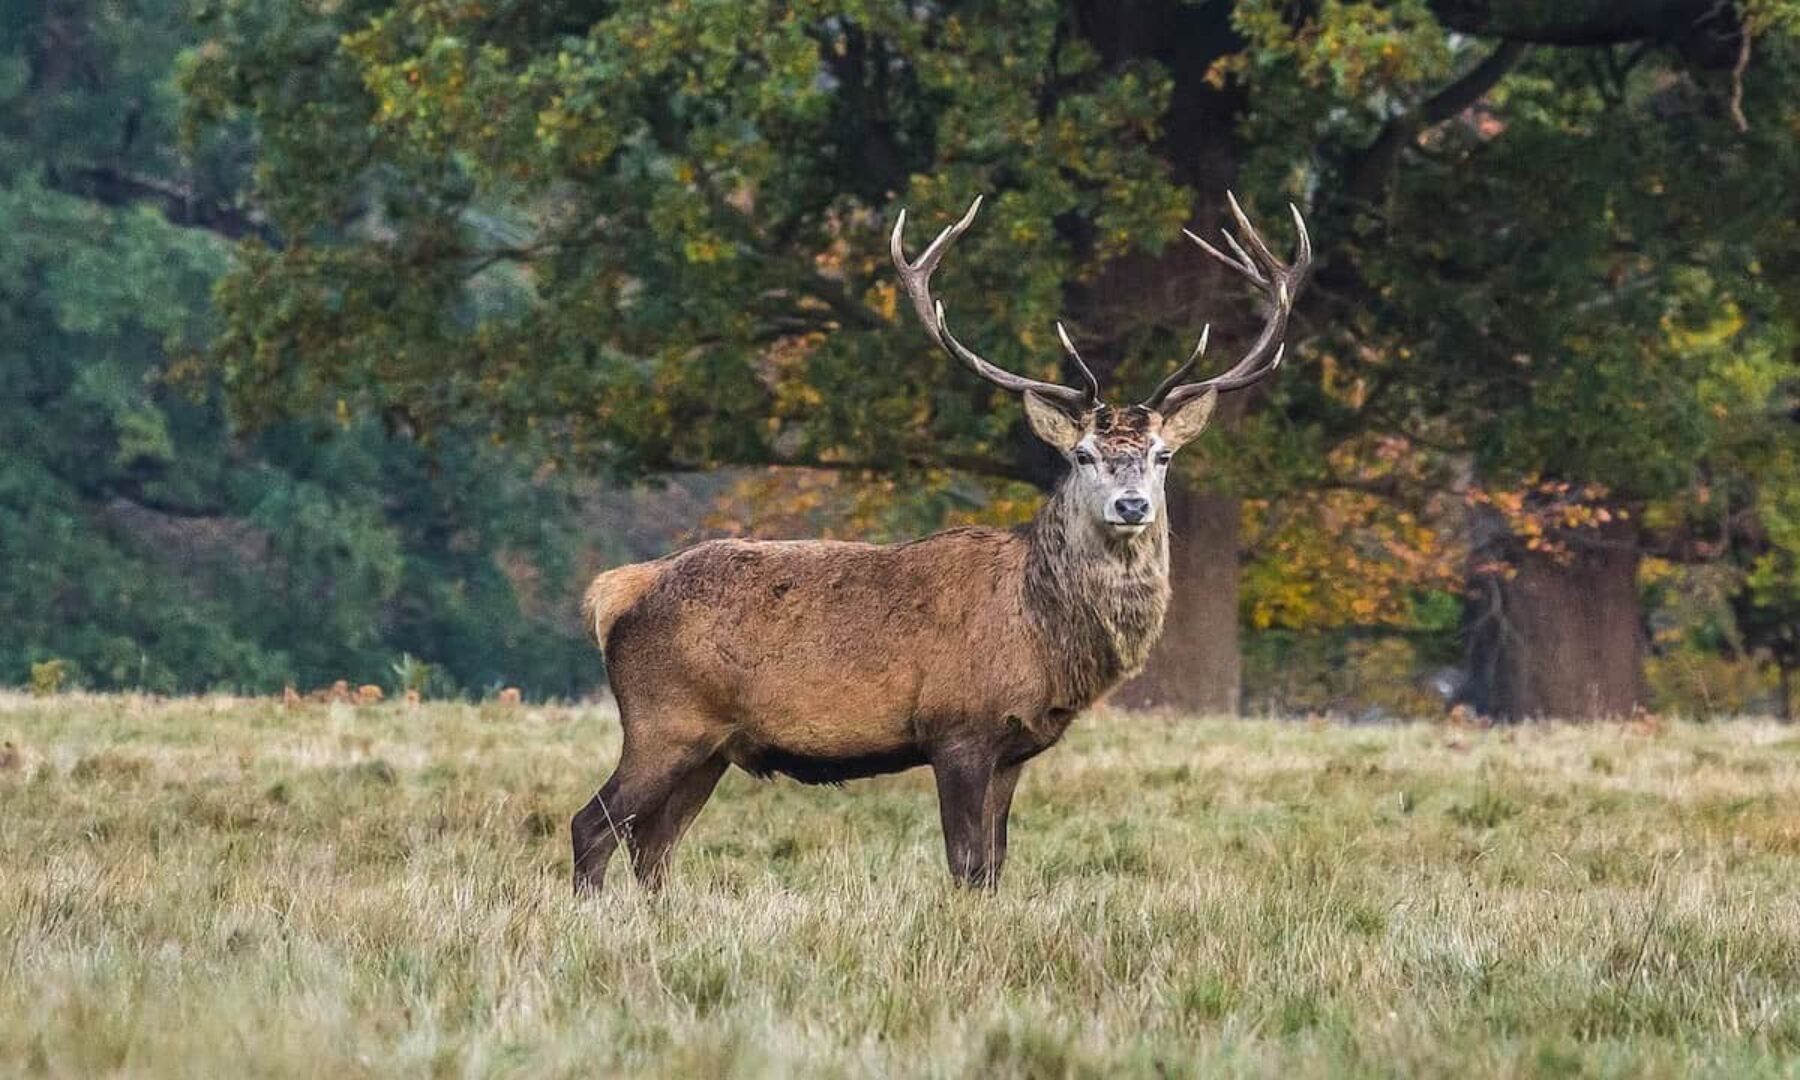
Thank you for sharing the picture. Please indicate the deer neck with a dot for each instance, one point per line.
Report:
(1096, 600)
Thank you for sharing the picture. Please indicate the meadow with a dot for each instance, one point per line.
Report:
(225, 887)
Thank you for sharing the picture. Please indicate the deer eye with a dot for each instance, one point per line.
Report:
(1082, 457)
(1163, 457)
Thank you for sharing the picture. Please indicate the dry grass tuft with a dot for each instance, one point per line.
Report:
(221, 887)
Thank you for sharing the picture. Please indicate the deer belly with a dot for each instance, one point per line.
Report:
(760, 760)
(828, 719)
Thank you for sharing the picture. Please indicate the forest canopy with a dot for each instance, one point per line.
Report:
(330, 316)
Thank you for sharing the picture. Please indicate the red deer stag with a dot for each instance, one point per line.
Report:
(969, 651)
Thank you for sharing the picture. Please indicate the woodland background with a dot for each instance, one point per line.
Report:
(344, 338)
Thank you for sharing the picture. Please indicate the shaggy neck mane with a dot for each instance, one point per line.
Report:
(1095, 600)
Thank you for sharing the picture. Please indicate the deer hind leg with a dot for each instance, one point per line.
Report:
(592, 836)
(653, 844)
(964, 778)
(651, 769)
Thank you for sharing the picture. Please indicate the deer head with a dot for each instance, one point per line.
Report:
(1119, 456)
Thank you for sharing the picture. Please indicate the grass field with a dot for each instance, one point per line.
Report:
(227, 887)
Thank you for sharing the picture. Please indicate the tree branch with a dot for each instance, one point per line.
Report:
(1369, 172)
(993, 468)
(1704, 31)
(176, 202)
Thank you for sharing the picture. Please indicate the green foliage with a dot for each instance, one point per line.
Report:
(411, 675)
(48, 676)
(1588, 278)
(603, 228)
(1579, 328)
(649, 237)
(632, 211)
(148, 546)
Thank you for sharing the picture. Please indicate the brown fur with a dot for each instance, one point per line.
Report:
(612, 594)
(970, 650)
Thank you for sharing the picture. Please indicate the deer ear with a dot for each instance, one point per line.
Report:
(1188, 420)
(1051, 424)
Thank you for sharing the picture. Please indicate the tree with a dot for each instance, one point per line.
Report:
(653, 235)
(1588, 350)
(145, 545)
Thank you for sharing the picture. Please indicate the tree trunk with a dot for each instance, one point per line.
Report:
(1558, 638)
(1784, 709)
(1194, 667)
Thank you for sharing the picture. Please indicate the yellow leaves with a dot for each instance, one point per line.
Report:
(783, 368)
(1001, 510)
(1356, 49)
(1364, 549)
(1716, 332)
(784, 502)
(552, 122)
(705, 248)
(1342, 382)
(883, 299)
(1226, 68)
(771, 503)
(1340, 558)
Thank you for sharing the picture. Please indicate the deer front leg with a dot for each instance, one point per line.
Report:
(998, 809)
(964, 776)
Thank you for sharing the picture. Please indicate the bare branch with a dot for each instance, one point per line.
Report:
(1369, 172)
(176, 202)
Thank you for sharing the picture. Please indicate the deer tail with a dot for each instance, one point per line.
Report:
(613, 594)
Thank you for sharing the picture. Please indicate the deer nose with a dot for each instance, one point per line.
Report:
(1132, 509)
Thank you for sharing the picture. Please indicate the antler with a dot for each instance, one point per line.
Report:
(916, 278)
(1278, 282)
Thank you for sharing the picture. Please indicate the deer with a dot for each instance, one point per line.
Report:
(969, 651)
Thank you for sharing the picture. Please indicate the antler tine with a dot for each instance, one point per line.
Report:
(922, 270)
(1087, 374)
(1068, 397)
(1251, 236)
(1238, 382)
(1305, 256)
(915, 278)
(1155, 400)
(1278, 282)
(1241, 267)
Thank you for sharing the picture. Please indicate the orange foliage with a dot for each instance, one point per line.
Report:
(1341, 558)
(1544, 513)
(1355, 553)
